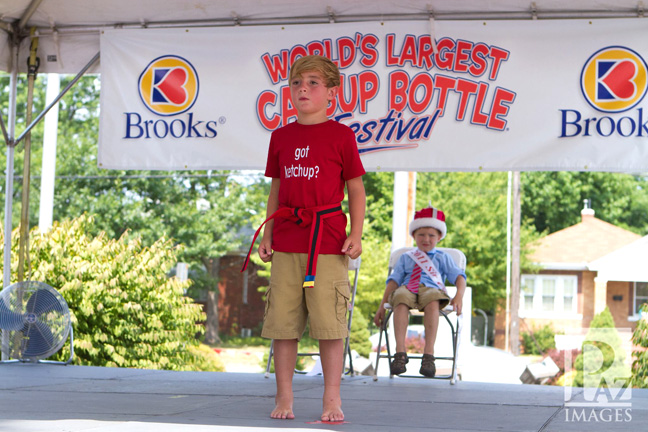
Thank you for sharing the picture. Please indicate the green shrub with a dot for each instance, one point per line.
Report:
(359, 338)
(206, 359)
(604, 353)
(640, 353)
(126, 311)
(544, 340)
(242, 342)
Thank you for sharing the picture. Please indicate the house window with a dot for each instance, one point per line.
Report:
(526, 291)
(641, 296)
(548, 294)
(569, 294)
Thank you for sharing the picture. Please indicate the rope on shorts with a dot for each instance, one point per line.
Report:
(314, 217)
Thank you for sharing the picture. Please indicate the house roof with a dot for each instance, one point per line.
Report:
(578, 245)
(625, 264)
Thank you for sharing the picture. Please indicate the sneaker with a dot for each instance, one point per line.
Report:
(428, 368)
(398, 363)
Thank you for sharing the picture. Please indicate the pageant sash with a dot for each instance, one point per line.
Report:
(425, 262)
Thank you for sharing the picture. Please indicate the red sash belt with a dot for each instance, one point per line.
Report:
(304, 217)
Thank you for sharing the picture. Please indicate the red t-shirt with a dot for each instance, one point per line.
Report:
(313, 163)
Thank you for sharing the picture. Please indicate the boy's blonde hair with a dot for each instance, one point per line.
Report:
(320, 64)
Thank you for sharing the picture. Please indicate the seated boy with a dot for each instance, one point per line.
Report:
(417, 282)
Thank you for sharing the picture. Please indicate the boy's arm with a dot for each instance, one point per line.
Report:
(357, 201)
(265, 248)
(380, 314)
(457, 301)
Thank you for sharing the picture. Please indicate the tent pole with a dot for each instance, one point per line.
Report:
(31, 9)
(508, 261)
(11, 119)
(514, 333)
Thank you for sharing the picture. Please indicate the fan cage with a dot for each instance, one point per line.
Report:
(35, 321)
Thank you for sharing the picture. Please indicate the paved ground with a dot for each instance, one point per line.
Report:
(53, 398)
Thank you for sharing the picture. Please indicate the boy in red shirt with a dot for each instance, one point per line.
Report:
(310, 162)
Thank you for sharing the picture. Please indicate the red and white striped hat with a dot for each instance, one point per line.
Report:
(429, 217)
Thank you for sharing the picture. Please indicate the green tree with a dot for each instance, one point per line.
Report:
(376, 242)
(553, 200)
(475, 208)
(36, 137)
(379, 188)
(126, 311)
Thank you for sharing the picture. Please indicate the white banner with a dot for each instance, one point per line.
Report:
(485, 96)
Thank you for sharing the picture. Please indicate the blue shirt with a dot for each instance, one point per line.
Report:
(442, 261)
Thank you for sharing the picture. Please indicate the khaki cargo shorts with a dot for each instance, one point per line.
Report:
(289, 305)
(420, 300)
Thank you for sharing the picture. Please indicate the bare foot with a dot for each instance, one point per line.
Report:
(283, 408)
(332, 409)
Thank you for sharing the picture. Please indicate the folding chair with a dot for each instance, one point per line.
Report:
(354, 266)
(455, 328)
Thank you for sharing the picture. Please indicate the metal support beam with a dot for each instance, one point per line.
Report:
(329, 16)
(58, 98)
(31, 9)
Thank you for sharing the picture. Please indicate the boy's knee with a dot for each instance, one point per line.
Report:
(433, 306)
(401, 308)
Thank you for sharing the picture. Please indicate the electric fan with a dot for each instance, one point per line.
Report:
(35, 321)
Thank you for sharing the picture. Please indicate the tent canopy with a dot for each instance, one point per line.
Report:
(490, 108)
(69, 29)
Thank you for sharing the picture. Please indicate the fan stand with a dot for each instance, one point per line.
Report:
(64, 363)
(69, 360)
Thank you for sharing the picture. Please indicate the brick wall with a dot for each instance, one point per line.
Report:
(619, 302)
(233, 313)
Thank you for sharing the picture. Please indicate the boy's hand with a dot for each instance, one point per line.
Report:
(380, 316)
(352, 247)
(265, 250)
(456, 304)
